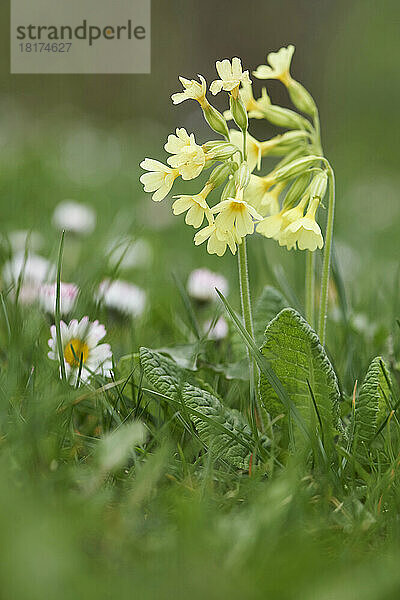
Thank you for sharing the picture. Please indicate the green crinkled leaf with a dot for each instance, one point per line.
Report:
(222, 429)
(371, 406)
(296, 356)
(268, 305)
(222, 441)
(165, 374)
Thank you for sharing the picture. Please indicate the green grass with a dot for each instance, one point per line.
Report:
(167, 519)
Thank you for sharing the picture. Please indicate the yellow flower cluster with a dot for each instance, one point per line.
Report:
(275, 205)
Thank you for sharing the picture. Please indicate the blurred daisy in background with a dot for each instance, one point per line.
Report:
(27, 272)
(122, 297)
(74, 217)
(48, 294)
(80, 345)
(201, 285)
(20, 240)
(129, 253)
(217, 330)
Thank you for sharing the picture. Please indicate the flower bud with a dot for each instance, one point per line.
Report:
(301, 98)
(318, 185)
(296, 190)
(283, 117)
(219, 174)
(242, 176)
(215, 120)
(297, 167)
(239, 112)
(229, 190)
(219, 150)
(285, 143)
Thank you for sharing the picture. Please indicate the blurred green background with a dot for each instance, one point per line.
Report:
(82, 137)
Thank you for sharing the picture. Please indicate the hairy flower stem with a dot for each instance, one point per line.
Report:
(323, 306)
(310, 258)
(310, 287)
(248, 323)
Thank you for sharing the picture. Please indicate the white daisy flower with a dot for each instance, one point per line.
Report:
(80, 341)
(219, 331)
(74, 217)
(68, 295)
(202, 283)
(122, 296)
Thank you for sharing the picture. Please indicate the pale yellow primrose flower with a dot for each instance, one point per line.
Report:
(255, 149)
(279, 65)
(218, 240)
(260, 195)
(160, 178)
(236, 215)
(196, 206)
(305, 231)
(189, 158)
(231, 76)
(271, 227)
(255, 108)
(193, 90)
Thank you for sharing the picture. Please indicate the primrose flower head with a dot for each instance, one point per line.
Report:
(218, 239)
(304, 231)
(236, 215)
(255, 108)
(79, 341)
(192, 90)
(254, 148)
(231, 75)
(272, 227)
(279, 65)
(260, 195)
(159, 180)
(196, 207)
(188, 157)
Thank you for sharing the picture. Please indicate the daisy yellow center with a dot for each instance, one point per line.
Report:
(74, 350)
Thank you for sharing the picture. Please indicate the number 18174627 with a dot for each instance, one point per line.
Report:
(45, 47)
